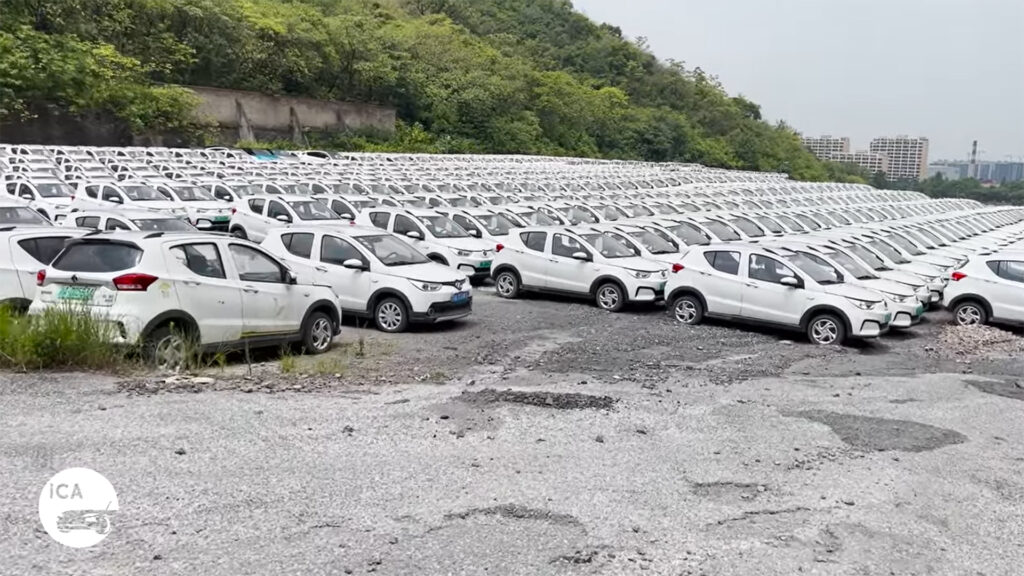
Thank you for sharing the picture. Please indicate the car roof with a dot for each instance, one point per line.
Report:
(129, 214)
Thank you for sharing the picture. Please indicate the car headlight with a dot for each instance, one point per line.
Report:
(426, 286)
(910, 299)
(462, 253)
(640, 275)
(863, 304)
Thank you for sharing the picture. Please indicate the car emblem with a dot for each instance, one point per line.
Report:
(459, 283)
(74, 277)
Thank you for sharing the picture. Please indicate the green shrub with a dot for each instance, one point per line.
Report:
(62, 338)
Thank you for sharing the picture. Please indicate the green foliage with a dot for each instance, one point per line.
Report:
(939, 187)
(504, 76)
(59, 338)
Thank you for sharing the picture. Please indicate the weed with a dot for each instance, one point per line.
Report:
(60, 337)
(289, 363)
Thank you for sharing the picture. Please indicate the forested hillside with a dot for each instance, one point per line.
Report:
(504, 76)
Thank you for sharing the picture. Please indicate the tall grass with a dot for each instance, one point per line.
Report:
(62, 337)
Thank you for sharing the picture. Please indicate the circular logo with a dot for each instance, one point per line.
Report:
(76, 507)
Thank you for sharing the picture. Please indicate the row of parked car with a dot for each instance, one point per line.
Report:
(230, 248)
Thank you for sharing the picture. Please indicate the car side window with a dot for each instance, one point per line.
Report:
(534, 240)
(202, 259)
(110, 195)
(88, 222)
(562, 245)
(768, 269)
(43, 249)
(1011, 270)
(465, 222)
(277, 209)
(298, 244)
(339, 208)
(256, 205)
(255, 266)
(727, 262)
(404, 225)
(12, 188)
(380, 219)
(115, 224)
(334, 250)
(222, 194)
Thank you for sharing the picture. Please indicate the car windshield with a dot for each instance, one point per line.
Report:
(940, 237)
(793, 224)
(905, 244)
(771, 225)
(638, 211)
(443, 227)
(723, 232)
(839, 218)
(247, 190)
(312, 210)
(852, 266)
(747, 227)
(53, 190)
(496, 224)
(808, 221)
(888, 251)
(391, 251)
(538, 218)
(817, 268)
(868, 256)
(608, 245)
(193, 194)
(19, 215)
(299, 189)
(578, 216)
(163, 225)
(652, 242)
(691, 235)
(142, 193)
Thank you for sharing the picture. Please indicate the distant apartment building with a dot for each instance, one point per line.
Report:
(948, 171)
(871, 161)
(908, 157)
(1001, 171)
(825, 147)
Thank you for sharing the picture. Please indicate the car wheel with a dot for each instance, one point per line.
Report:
(166, 349)
(688, 310)
(610, 297)
(506, 284)
(391, 315)
(318, 333)
(826, 330)
(970, 313)
(240, 233)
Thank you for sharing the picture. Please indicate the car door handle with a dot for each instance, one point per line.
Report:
(250, 290)
(703, 273)
(191, 282)
(752, 285)
(321, 269)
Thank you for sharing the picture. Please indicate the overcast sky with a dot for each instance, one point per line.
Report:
(950, 70)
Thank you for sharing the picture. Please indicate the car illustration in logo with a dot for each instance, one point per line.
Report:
(96, 520)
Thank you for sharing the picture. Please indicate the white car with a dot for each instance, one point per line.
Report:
(18, 213)
(437, 236)
(144, 220)
(375, 274)
(263, 212)
(775, 287)
(642, 242)
(484, 223)
(23, 253)
(50, 197)
(989, 288)
(345, 206)
(580, 263)
(137, 195)
(204, 210)
(165, 291)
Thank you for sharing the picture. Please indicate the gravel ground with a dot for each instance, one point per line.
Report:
(542, 437)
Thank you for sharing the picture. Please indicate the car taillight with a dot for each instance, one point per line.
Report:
(958, 276)
(134, 282)
(499, 247)
(40, 277)
(233, 210)
(676, 267)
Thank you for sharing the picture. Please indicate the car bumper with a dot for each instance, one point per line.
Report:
(475, 268)
(443, 312)
(905, 315)
(208, 225)
(647, 290)
(870, 324)
(117, 327)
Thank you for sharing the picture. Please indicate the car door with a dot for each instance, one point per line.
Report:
(205, 291)
(565, 273)
(353, 287)
(402, 225)
(720, 282)
(765, 298)
(1006, 290)
(270, 305)
(533, 262)
(275, 209)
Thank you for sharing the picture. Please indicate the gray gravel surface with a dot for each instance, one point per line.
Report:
(541, 437)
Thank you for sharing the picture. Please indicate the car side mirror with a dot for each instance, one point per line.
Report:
(790, 281)
(116, 200)
(347, 216)
(27, 196)
(581, 256)
(354, 264)
(414, 234)
(474, 233)
(283, 218)
(204, 225)
(292, 278)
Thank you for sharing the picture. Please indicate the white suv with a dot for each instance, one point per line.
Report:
(164, 290)
(375, 274)
(23, 253)
(580, 263)
(49, 197)
(204, 210)
(106, 195)
(774, 287)
(265, 211)
(989, 288)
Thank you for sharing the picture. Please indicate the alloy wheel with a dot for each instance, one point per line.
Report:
(169, 353)
(506, 285)
(608, 297)
(389, 316)
(968, 315)
(685, 311)
(824, 331)
(321, 334)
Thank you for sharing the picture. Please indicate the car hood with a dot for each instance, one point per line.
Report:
(638, 263)
(58, 200)
(669, 259)
(905, 278)
(921, 269)
(154, 205)
(473, 244)
(851, 291)
(935, 260)
(427, 272)
(208, 205)
(887, 286)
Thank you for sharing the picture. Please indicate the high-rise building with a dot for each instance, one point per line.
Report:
(908, 157)
(871, 161)
(825, 147)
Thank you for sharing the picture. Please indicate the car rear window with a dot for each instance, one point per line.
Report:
(44, 250)
(98, 257)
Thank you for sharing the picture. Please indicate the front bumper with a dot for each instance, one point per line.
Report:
(905, 315)
(443, 312)
(870, 323)
(652, 290)
(475, 268)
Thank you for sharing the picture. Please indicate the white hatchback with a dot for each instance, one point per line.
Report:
(988, 288)
(263, 212)
(23, 253)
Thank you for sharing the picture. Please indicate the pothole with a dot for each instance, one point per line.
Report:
(882, 434)
(556, 400)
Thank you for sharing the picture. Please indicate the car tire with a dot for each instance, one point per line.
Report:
(826, 330)
(970, 313)
(477, 281)
(688, 310)
(317, 333)
(239, 233)
(391, 315)
(610, 297)
(166, 348)
(506, 284)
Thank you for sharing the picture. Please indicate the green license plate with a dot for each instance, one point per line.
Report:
(919, 310)
(888, 317)
(221, 218)
(485, 264)
(79, 293)
(662, 285)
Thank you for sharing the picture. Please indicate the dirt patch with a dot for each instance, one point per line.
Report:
(729, 490)
(974, 341)
(517, 512)
(556, 400)
(868, 433)
(1007, 389)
